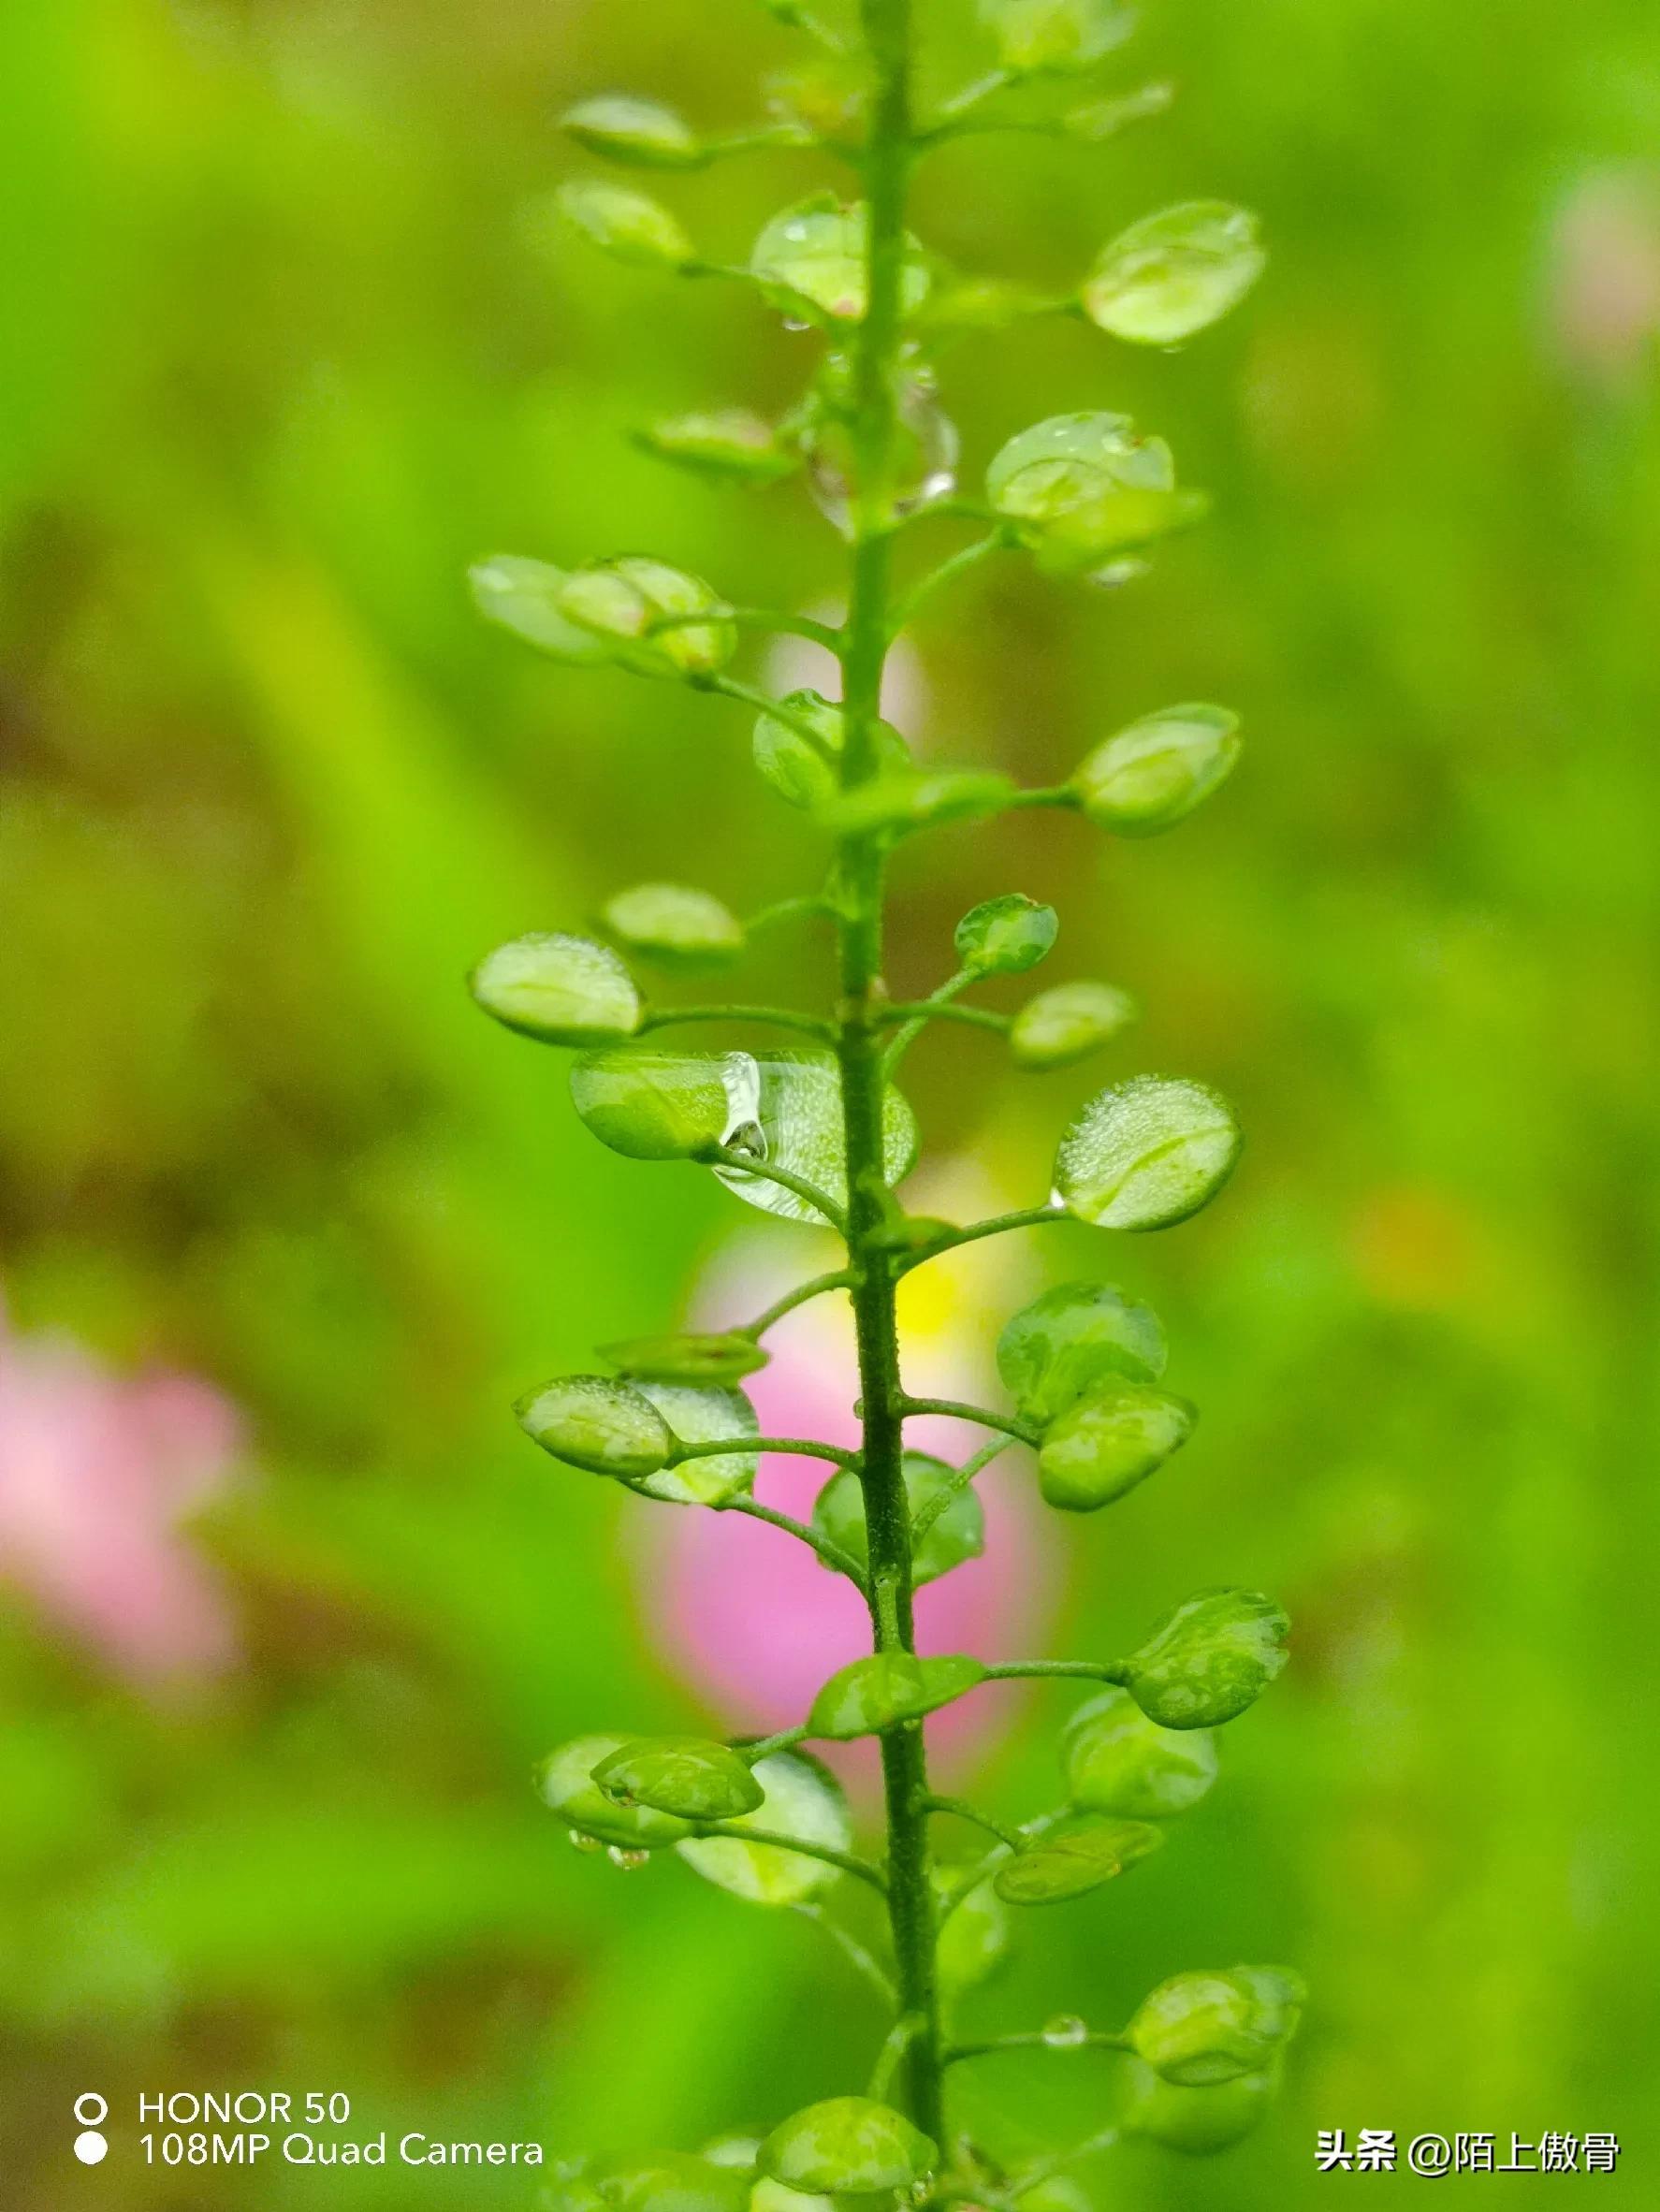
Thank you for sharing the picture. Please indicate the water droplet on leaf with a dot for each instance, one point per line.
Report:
(1084, 488)
(1065, 2032)
(786, 1108)
(598, 1424)
(810, 261)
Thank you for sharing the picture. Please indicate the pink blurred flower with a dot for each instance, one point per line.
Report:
(748, 1613)
(96, 1473)
(1604, 274)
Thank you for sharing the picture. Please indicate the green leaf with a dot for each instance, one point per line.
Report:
(629, 225)
(1005, 936)
(1067, 1024)
(801, 1798)
(685, 1775)
(908, 801)
(1116, 1760)
(672, 2181)
(957, 1535)
(848, 2146)
(726, 442)
(562, 990)
(652, 1105)
(1101, 1448)
(805, 775)
(1197, 2121)
(621, 600)
(973, 1936)
(1040, 36)
(1201, 2028)
(785, 1110)
(1073, 1338)
(605, 1427)
(523, 596)
(1174, 274)
(686, 1359)
(1209, 1659)
(874, 1693)
(675, 925)
(1146, 1154)
(564, 1782)
(1153, 775)
(809, 262)
(1083, 487)
(638, 132)
(702, 1414)
(1056, 1868)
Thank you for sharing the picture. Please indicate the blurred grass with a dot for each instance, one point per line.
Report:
(285, 347)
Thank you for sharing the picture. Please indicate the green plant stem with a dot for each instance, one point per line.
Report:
(750, 618)
(1036, 2040)
(788, 909)
(961, 1479)
(954, 565)
(885, 26)
(860, 1869)
(832, 1554)
(806, 1447)
(852, 1950)
(840, 1279)
(963, 1810)
(1021, 1432)
(777, 1017)
(786, 1179)
(912, 1020)
(779, 709)
(1076, 1670)
(1028, 1218)
(939, 1010)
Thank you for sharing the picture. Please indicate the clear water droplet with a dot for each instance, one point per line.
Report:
(1114, 575)
(925, 461)
(1065, 2032)
(786, 1107)
(797, 324)
(627, 1862)
(581, 1840)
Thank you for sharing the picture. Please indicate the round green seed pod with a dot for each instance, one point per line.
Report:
(1201, 2028)
(565, 1783)
(685, 1775)
(686, 1359)
(1174, 273)
(1102, 1446)
(1154, 774)
(1082, 488)
(1116, 1760)
(629, 225)
(675, 924)
(640, 133)
(1005, 936)
(958, 1534)
(1198, 2121)
(623, 600)
(1075, 1339)
(599, 1424)
(559, 989)
(1209, 1659)
(652, 1105)
(1146, 1154)
(672, 2181)
(848, 2145)
(1069, 1023)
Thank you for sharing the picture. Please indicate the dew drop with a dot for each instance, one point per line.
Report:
(581, 1840)
(1065, 2032)
(795, 323)
(627, 1862)
(1115, 574)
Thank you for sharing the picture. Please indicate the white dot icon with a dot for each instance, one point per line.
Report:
(90, 2146)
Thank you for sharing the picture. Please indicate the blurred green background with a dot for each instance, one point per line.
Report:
(286, 344)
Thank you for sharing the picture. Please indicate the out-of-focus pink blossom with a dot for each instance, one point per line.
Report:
(98, 1472)
(748, 1613)
(1605, 278)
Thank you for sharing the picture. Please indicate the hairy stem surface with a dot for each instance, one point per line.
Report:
(886, 29)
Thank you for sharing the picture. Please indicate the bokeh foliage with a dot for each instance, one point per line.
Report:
(289, 339)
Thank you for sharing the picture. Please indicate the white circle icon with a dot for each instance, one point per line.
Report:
(91, 2119)
(90, 2146)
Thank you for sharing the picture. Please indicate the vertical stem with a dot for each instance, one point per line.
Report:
(886, 28)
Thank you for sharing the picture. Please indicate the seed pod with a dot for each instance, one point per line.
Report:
(808, 776)
(727, 443)
(1197, 2029)
(563, 990)
(973, 1934)
(684, 1775)
(652, 1105)
(908, 801)
(672, 2181)
(810, 262)
(874, 1693)
(1116, 1760)
(703, 1414)
(784, 1110)
(565, 1784)
(1056, 1868)
(605, 1427)
(622, 599)
(1209, 1659)
(523, 596)
(1198, 2121)
(1072, 1340)
(629, 225)
(1067, 1024)
(848, 2146)
(1054, 36)
(732, 2151)
(801, 1798)
(1100, 1448)
(638, 132)
(1174, 274)
(675, 925)
(1146, 1154)
(1005, 936)
(1085, 486)
(1154, 774)
(957, 1535)
(686, 1359)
